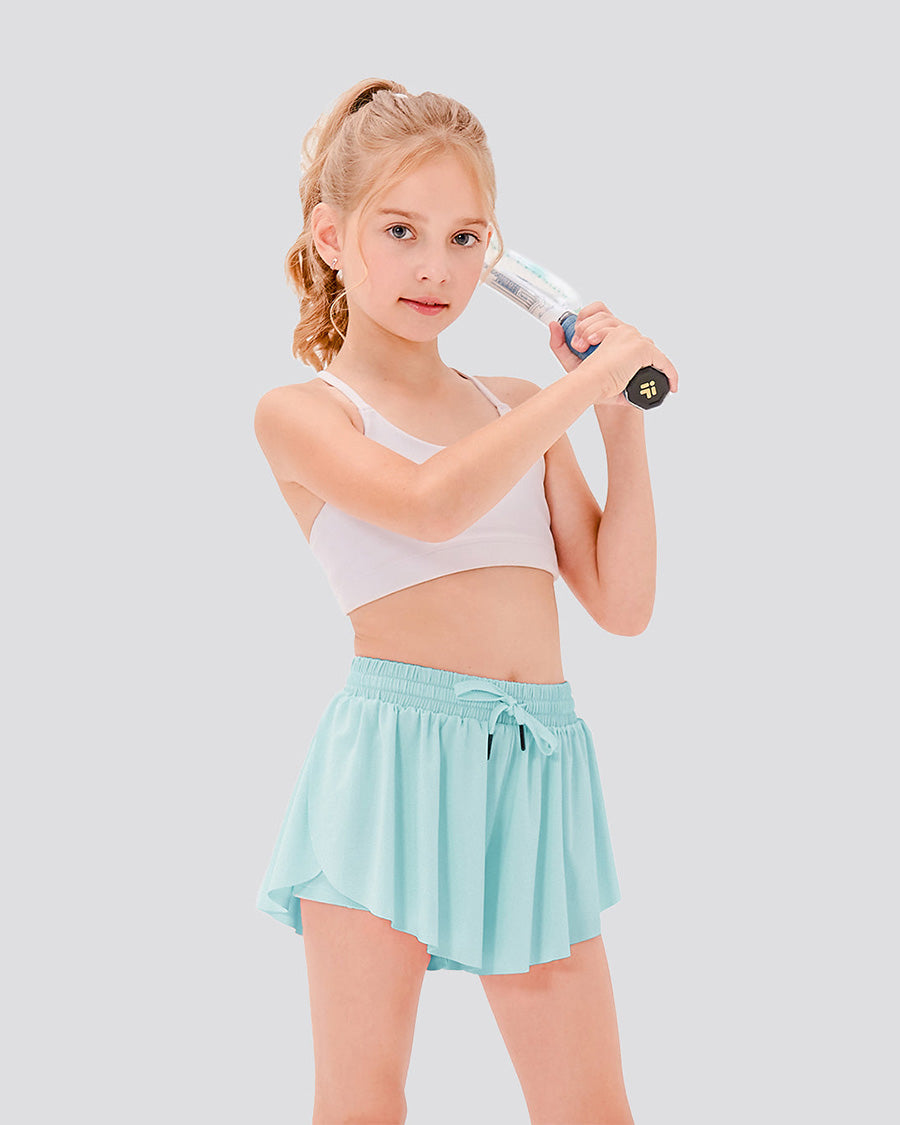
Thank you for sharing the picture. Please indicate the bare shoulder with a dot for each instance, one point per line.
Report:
(280, 396)
(510, 389)
(272, 407)
(278, 401)
(292, 422)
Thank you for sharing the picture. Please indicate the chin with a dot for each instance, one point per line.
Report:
(429, 330)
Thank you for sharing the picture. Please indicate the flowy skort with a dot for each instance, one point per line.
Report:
(466, 810)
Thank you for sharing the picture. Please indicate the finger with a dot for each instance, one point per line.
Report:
(663, 363)
(601, 316)
(557, 335)
(600, 322)
(594, 306)
(560, 348)
(585, 325)
(592, 333)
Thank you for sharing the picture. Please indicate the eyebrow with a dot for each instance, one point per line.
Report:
(415, 216)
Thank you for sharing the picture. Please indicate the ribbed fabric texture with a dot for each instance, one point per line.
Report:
(363, 561)
(495, 864)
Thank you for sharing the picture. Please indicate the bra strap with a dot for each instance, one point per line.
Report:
(361, 403)
(502, 407)
(354, 397)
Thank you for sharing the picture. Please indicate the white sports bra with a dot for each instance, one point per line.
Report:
(363, 561)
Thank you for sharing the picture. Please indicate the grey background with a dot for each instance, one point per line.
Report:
(721, 177)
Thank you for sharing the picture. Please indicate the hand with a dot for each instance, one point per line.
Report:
(621, 353)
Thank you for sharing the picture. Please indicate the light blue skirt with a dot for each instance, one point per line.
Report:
(466, 810)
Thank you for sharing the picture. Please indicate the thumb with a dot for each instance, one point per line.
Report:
(560, 348)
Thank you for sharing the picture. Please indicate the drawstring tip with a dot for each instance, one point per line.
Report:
(521, 739)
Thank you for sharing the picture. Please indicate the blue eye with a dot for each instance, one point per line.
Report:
(462, 234)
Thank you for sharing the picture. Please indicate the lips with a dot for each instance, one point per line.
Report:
(425, 302)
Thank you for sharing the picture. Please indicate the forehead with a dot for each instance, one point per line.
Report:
(443, 190)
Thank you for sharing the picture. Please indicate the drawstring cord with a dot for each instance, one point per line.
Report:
(546, 739)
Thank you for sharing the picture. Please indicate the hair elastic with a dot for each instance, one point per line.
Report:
(366, 97)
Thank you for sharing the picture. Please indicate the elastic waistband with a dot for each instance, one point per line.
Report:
(457, 693)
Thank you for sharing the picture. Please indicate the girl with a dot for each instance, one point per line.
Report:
(449, 812)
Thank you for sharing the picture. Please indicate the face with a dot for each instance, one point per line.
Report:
(423, 240)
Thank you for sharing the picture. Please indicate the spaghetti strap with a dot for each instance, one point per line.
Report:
(502, 407)
(354, 397)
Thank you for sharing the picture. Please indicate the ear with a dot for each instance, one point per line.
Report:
(327, 233)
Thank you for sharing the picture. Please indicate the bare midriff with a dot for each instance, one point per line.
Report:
(496, 621)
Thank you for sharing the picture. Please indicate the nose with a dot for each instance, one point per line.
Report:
(433, 266)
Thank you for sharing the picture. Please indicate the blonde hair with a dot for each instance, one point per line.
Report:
(375, 134)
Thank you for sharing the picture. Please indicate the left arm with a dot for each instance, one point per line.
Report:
(626, 540)
(607, 558)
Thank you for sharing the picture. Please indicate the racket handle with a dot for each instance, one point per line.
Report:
(646, 388)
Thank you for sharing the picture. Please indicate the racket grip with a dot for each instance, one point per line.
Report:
(646, 388)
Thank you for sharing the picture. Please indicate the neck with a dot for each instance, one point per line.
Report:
(373, 355)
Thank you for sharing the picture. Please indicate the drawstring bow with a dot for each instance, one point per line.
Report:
(547, 740)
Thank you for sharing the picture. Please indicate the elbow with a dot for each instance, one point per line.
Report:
(623, 622)
(631, 631)
(623, 628)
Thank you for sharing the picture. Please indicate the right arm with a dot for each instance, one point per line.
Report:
(308, 438)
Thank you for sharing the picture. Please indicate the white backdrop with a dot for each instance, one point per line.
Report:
(719, 176)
